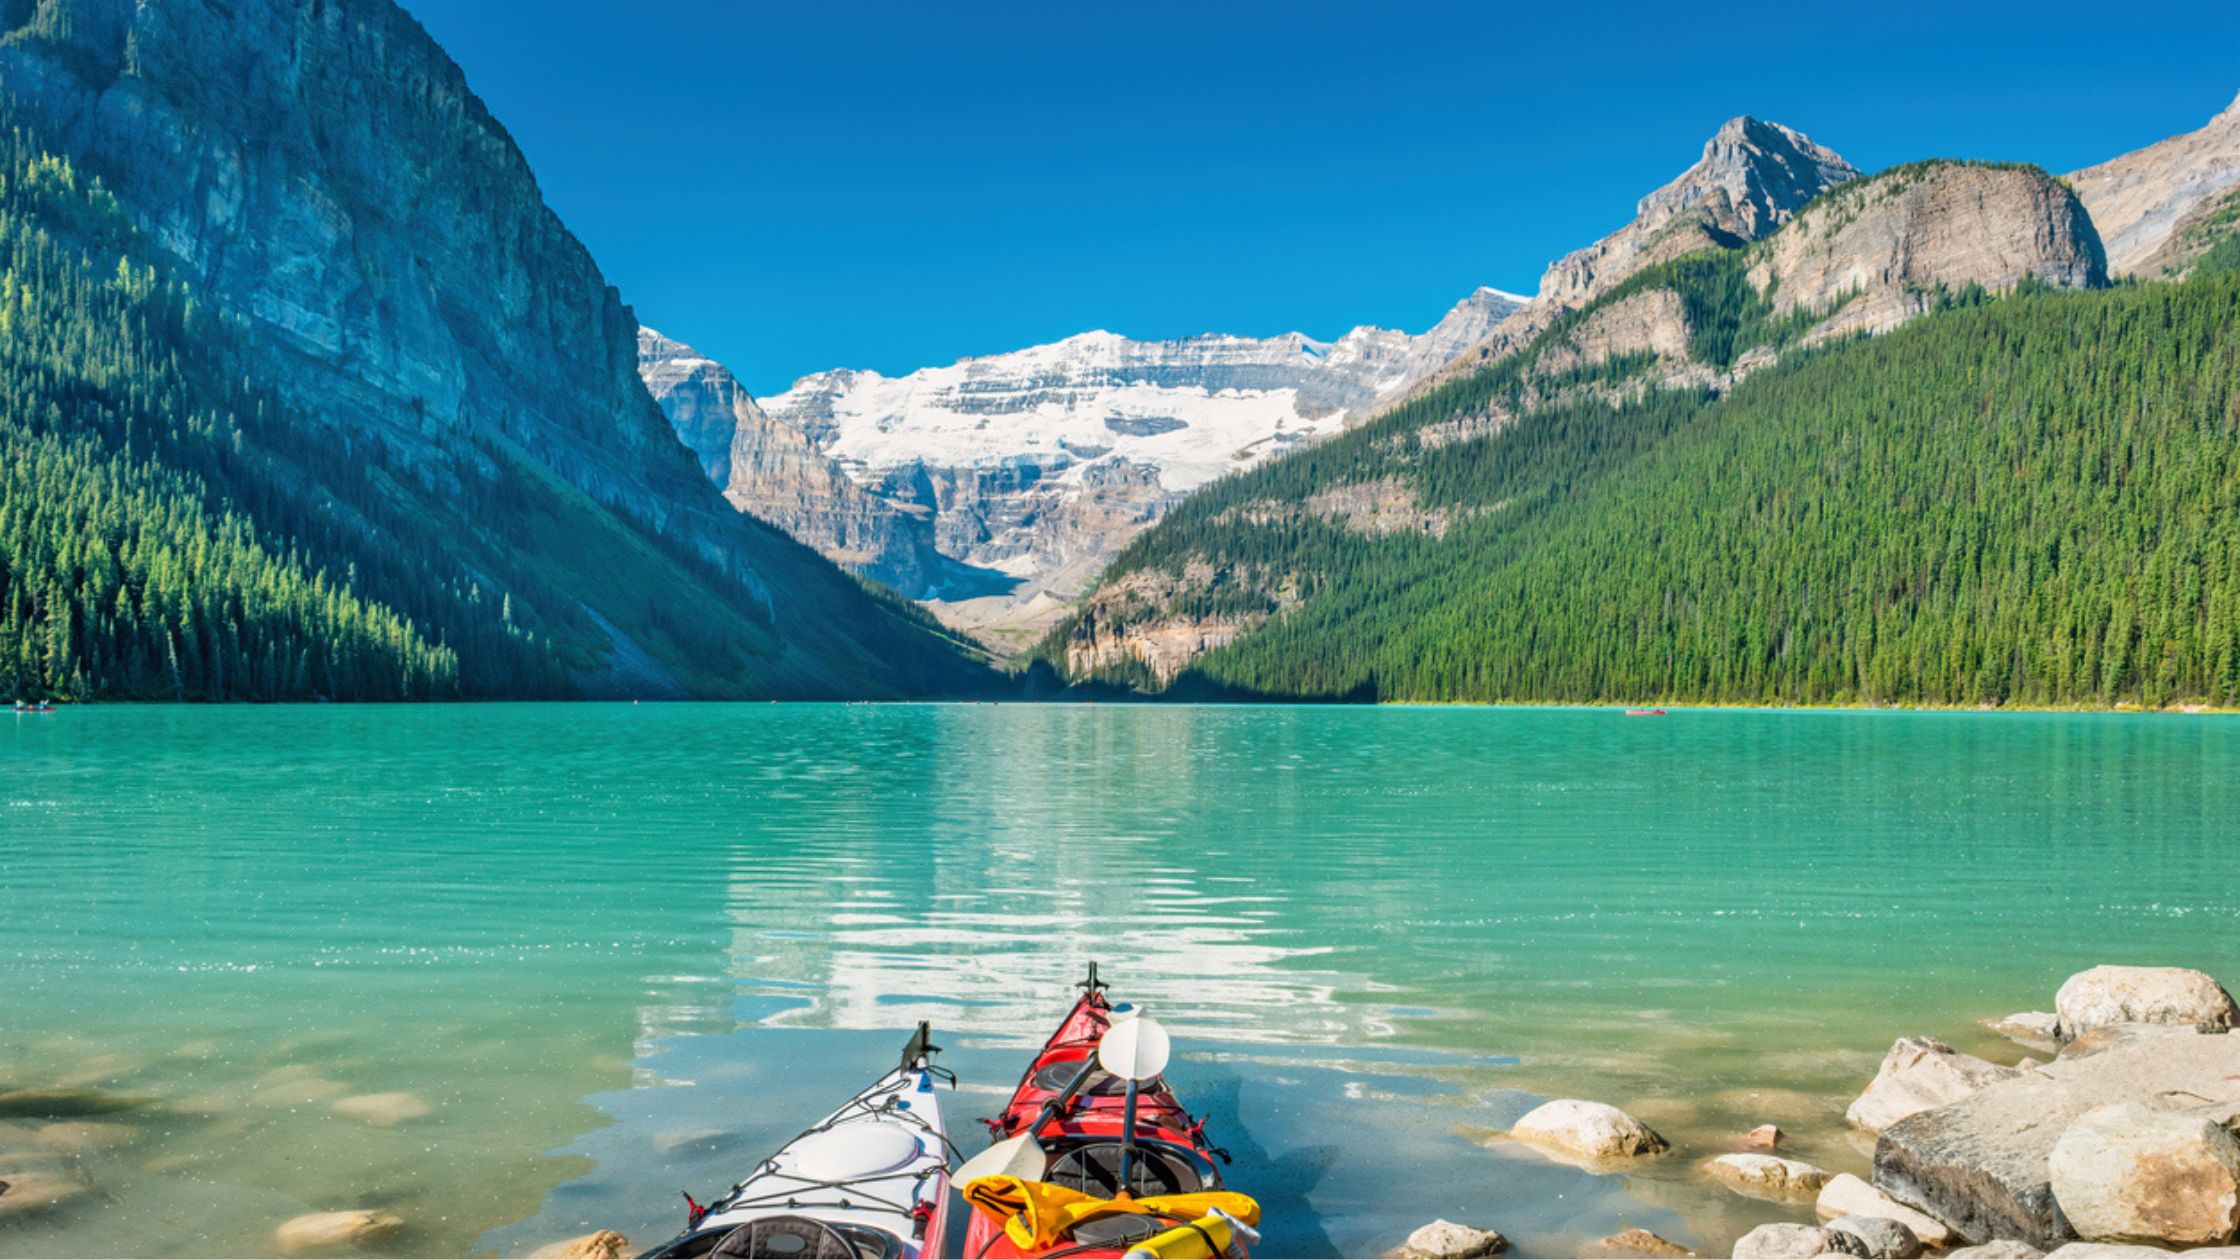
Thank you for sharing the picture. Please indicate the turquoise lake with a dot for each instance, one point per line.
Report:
(515, 972)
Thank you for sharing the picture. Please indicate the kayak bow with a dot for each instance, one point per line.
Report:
(868, 1182)
(1099, 1194)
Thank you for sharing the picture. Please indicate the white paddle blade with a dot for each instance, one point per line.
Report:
(1135, 1050)
(1019, 1157)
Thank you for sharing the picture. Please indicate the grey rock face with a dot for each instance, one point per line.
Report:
(770, 470)
(1885, 247)
(2138, 200)
(1981, 1164)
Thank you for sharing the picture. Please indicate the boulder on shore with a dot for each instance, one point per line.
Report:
(603, 1244)
(335, 1231)
(2111, 1036)
(1768, 1175)
(1997, 1249)
(1846, 1195)
(2142, 995)
(1445, 1240)
(2138, 1174)
(1982, 1163)
(1588, 1129)
(1917, 1074)
(1781, 1241)
(1876, 1237)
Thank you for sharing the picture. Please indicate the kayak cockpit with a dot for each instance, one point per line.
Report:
(786, 1238)
(1093, 1167)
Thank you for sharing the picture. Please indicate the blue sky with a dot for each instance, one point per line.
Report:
(831, 183)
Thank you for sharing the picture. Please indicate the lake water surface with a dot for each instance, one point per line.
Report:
(618, 951)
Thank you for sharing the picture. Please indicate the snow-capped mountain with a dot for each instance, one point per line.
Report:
(1036, 465)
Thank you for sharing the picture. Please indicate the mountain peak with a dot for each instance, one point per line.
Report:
(1752, 176)
(2139, 198)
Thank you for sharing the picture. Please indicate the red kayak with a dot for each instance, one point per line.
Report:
(1082, 1137)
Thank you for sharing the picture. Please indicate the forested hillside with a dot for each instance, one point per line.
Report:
(169, 528)
(2027, 499)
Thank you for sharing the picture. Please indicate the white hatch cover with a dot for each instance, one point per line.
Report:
(851, 1152)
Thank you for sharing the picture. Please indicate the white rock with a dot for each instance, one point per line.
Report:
(2142, 995)
(1781, 1241)
(2030, 1028)
(1590, 1129)
(1768, 1174)
(2083, 1250)
(1877, 1237)
(1846, 1195)
(335, 1231)
(2130, 1173)
(1920, 1073)
(1997, 1249)
(1445, 1240)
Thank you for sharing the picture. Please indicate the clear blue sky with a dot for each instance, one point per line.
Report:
(829, 183)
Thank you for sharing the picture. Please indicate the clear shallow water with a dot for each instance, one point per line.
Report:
(621, 950)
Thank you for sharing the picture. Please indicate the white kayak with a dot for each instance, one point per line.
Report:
(870, 1181)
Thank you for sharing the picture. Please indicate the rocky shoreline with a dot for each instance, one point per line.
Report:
(2124, 1141)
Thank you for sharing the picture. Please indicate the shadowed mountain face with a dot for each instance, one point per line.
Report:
(321, 172)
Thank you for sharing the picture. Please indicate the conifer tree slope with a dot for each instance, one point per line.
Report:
(2030, 499)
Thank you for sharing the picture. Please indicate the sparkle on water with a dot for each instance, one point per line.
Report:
(517, 972)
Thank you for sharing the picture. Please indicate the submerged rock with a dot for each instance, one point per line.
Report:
(68, 1102)
(31, 1191)
(80, 1136)
(1996, 1249)
(1877, 1237)
(1768, 1175)
(1445, 1240)
(2142, 995)
(603, 1244)
(1781, 1241)
(334, 1231)
(1917, 1074)
(1589, 1129)
(1763, 1138)
(1983, 1163)
(2131, 1173)
(383, 1109)
(1637, 1244)
(1846, 1195)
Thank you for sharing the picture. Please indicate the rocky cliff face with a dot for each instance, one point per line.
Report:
(771, 470)
(2138, 200)
(323, 171)
(1034, 467)
(1879, 251)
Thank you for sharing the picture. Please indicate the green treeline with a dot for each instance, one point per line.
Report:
(159, 537)
(2033, 499)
